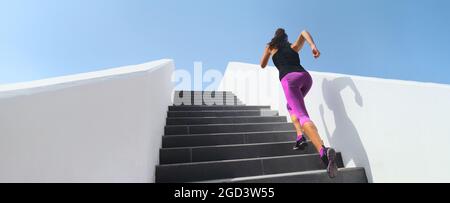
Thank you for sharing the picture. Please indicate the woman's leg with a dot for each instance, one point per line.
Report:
(296, 122)
(298, 126)
(311, 131)
(294, 85)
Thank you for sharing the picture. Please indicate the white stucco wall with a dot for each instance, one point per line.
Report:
(103, 126)
(397, 130)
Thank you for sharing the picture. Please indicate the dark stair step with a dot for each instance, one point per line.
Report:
(182, 93)
(211, 108)
(227, 128)
(230, 152)
(346, 175)
(205, 98)
(191, 172)
(207, 101)
(225, 120)
(171, 141)
(222, 113)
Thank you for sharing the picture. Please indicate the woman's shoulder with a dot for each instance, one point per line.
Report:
(271, 50)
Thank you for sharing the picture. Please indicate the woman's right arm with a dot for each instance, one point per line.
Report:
(266, 57)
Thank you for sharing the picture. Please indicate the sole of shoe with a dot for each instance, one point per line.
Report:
(332, 168)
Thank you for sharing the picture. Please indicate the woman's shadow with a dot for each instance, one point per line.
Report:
(345, 136)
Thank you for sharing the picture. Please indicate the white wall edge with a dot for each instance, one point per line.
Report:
(56, 83)
(374, 79)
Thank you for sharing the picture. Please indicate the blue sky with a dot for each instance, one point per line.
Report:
(398, 39)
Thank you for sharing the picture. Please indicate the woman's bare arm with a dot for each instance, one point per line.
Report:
(306, 36)
(266, 57)
(298, 45)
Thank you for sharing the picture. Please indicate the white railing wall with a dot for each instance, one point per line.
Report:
(103, 126)
(398, 130)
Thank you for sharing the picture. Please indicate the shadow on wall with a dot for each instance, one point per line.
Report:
(345, 136)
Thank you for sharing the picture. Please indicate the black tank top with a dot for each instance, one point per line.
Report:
(287, 61)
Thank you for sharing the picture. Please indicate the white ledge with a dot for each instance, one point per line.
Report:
(365, 78)
(31, 87)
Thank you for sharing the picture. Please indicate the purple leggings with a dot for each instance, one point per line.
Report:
(296, 86)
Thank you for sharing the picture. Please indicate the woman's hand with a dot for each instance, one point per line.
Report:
(315, 51)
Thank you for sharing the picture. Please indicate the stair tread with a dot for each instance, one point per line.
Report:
(189, 172)
(225, 128)
(226, 117)
(230, 124)
(223, 120)
(237, 160)
(235, 133)
(216, 107)
(229, 152)
(264, 106)
(300, 173)
(177, 91)
(233, 145)
(173, 141)
(221, 111)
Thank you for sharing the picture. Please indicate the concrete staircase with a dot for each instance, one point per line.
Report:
(234, 143)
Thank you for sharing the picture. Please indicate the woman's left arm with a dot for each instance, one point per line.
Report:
(266, 57)
(309, 39)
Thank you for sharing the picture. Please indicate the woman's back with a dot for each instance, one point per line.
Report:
(287, 60)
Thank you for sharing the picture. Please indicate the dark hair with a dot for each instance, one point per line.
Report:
(280, 39)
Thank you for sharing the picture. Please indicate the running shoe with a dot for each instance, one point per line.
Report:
(329, 159)
(301, 144)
